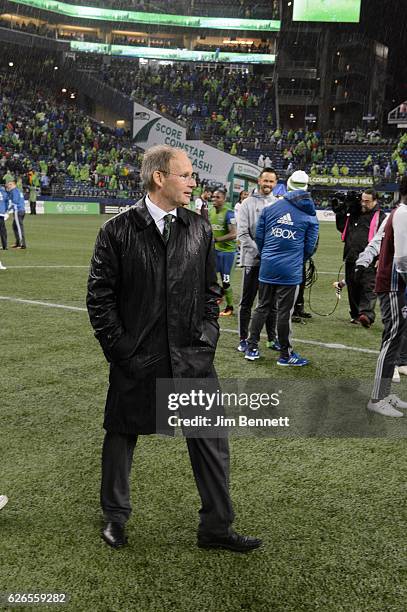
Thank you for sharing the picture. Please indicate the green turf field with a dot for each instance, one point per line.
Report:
(331, 511)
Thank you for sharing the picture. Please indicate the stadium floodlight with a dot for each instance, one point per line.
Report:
(11, 64)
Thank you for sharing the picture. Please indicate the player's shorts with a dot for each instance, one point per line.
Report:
(224, 264)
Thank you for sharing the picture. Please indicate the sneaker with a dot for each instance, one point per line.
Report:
(296, 319)
(3, 501)
(252, 354)
(354, 321)
(292, 360)
(274, 345)
(2, 267)
(21, 247)
(243, 346)
(402, 370)
(228, 312)
(396, 401)
(14, 246)
(396, 375)
(384, 407)
(365, 321)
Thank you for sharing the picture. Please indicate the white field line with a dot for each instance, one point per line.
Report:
(38, 303)
(50, 267)
(328, 345)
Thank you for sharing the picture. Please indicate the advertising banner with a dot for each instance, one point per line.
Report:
(71, 208)
(113, 209)
(39, 209)
(342, 181)
(184, 55)
(125, 16)
(326, 215)
(151, 128)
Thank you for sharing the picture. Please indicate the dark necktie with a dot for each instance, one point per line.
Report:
(167, 227)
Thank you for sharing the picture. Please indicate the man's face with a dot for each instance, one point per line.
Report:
(267, 181)
(207, 195)
(177, 184)
(10, 185)
(218, 199)
(367, 202)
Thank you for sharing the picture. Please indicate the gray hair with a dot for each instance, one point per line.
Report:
(156, 158)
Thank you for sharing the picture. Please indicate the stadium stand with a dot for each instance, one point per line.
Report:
(95, 160)
(41, 136)
(235, 112)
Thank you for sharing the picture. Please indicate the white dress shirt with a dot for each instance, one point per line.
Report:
(158, 213)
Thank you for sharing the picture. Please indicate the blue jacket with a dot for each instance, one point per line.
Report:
(286, 237)
(16, 200)
(3, 201)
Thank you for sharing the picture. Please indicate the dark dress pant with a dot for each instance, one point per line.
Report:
(250, 287)
(361, 295)
(210, 464)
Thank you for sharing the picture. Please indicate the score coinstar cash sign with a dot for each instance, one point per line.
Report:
(72, 208)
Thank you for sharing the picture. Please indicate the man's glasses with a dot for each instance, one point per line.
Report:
(185, 178)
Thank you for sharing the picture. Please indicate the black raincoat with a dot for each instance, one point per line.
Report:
(153, 308)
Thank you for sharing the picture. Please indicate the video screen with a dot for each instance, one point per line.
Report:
(347, 11)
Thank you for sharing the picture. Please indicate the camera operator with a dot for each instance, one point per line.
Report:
(358, 221)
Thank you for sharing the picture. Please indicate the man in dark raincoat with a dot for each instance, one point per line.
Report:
(152, 301)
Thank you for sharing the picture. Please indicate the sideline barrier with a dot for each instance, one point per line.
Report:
(325, 215)
(77, 207)
(71, 208)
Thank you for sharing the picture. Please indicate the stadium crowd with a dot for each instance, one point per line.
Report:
(51, 143)
(44, 142)
(235, 112)
(215, 101)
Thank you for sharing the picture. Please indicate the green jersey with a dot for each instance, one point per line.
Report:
(220, 221)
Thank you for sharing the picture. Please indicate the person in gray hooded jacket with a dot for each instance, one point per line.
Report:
(249, 214)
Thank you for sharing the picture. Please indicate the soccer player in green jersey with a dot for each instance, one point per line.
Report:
(222, 219)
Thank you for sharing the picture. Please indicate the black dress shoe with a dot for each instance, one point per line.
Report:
(113, 534)
(232, 541)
